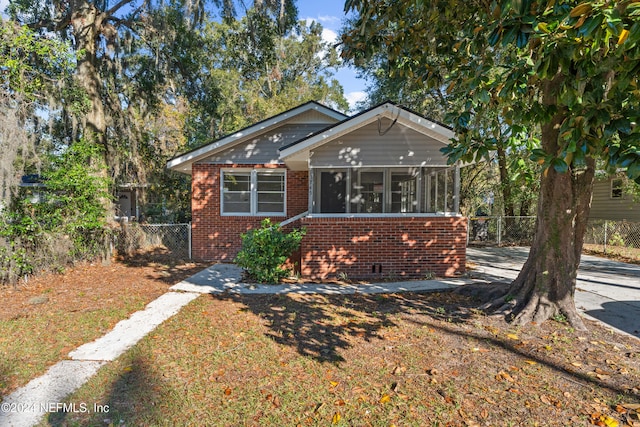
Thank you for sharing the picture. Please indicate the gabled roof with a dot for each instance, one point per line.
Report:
(297, 154)
(183, 162)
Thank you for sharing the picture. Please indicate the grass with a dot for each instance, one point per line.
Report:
(31, 344)
(410, 359)
(75, 308)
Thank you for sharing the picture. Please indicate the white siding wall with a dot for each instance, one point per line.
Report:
(399, 146)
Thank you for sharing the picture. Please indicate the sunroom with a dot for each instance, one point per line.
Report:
(382, 198)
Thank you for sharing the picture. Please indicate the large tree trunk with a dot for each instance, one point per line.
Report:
(546, 284)
(87, 21)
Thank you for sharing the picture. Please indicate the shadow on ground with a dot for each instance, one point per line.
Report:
(131, 399)
(324, 327)
(609, 315)
(168, 267)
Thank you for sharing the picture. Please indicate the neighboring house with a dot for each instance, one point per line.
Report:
(373, 191)
(610, 201)
(34, 188)
(127, 203)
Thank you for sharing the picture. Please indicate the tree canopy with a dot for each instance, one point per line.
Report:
(568, 69)
(108, 91)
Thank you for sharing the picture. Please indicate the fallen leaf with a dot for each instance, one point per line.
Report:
(576, 364)
(513, 337)
(633, 406)
(336, 418)
(399, 370)
(609, 422)
(340, 402)
(505, 376)
(385, 398)
(227, 391)
(334, 383)
(545, 399)
(530, 362)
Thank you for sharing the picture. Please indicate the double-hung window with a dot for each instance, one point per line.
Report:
(253, 192)
(616, 188)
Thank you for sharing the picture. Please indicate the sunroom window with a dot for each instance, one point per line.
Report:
(253, 192)
(404, 194)
(368, 192)
(384, 190)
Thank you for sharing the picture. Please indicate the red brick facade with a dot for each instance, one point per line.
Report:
(383, 247)
(216, 237)
(377, 247)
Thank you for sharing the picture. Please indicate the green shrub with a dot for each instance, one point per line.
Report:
(266, 249)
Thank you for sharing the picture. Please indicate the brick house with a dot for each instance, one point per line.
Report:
(373, 191)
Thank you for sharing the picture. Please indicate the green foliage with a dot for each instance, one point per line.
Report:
(68, 225)
(266, 249)
(527, 61)
(30, 63)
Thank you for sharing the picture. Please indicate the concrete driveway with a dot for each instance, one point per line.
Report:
(606, 290)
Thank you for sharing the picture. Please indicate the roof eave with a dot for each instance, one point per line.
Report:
(184, 162)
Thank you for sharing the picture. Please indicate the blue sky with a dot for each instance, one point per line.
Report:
(329, 13)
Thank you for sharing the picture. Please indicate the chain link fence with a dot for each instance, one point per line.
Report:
(613, 234)
(616, 237)
(501, 230)
(176, 238)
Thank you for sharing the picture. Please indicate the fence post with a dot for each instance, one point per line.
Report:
(604, 244)
(189, 238)
(499, 230)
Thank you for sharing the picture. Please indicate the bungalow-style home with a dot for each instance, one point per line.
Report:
(373, 191)
(610, 201)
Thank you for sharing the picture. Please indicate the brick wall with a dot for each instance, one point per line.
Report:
(216, 237)
(383, 248)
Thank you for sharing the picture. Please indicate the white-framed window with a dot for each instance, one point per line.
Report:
(384, 190)
(617, 188)
(253, 192)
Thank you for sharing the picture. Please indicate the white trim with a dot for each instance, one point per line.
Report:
(253, 190)
(386, 215)
(183, 163)
(294, 218)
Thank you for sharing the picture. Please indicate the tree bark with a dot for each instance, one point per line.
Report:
(505, 185)
(545, 286)
(87, 22)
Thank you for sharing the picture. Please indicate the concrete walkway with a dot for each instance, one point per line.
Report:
(607, 291)
(221, 278)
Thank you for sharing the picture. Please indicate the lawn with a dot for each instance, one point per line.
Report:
(401, 359)
(48, 316)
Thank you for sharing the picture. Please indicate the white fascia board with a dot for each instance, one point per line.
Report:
(183, 163)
